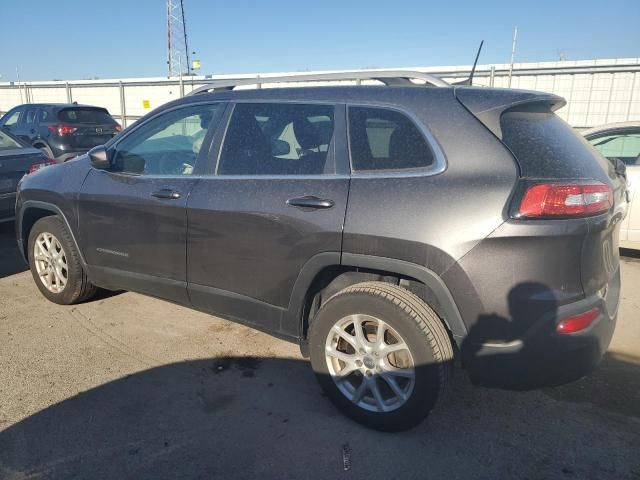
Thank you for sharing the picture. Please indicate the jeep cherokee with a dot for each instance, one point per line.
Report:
(386, 228)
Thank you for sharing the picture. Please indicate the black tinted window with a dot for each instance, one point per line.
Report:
(383, 139)
(85, 115)
(278, 139)
(545, 144)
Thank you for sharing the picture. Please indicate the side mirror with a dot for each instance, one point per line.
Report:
(99, 158)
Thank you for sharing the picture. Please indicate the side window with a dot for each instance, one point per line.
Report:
(382, 139)
(43, 116)
(168, 144)
(12, 118)
(279, 139)
(625, 146)
(30, 116)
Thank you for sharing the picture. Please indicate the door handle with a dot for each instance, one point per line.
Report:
(310, 202)
(166, 193)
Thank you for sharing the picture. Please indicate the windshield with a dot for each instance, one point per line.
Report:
(7, 143)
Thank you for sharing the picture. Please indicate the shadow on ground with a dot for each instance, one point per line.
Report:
(11, 261)
(266, 418)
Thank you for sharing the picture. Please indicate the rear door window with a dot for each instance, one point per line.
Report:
(30, 116)
(279, 139)
(382, 139)
(93, 116)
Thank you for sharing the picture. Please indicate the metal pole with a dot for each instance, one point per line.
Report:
(181, 83)
(633, 86)
(69, 98)
(18, 81)
(492, 75)
(613, 79)
(123, 106)
(513, 54)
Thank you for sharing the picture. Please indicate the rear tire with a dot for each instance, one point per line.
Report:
(55, 263)
(382, 390)
(47, 151)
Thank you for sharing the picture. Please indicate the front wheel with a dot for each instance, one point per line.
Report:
(381, 354)
(55, 263)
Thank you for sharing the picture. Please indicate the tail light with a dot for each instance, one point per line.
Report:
(565, 200)
(579, 322)
(37, 166)
(61, 129)
(117, 127)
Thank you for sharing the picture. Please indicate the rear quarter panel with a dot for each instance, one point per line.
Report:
(434, 220)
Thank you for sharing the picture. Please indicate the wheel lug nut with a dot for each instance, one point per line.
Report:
(359, 363)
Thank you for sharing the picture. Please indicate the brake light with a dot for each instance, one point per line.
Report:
(61, 129)
(37, 166)
(566, 200)
(578, 322)
(118, 127)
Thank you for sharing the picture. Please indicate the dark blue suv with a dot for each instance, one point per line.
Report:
(60, 131)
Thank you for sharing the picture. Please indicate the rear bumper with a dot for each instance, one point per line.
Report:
(543, 357)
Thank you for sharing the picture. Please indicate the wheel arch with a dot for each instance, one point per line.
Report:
(322, 278)
(30, 213)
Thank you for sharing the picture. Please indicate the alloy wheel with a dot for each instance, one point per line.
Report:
(370, 363)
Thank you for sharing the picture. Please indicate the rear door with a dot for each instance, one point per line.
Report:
(277, 199)
(89, 126)
(132, 217)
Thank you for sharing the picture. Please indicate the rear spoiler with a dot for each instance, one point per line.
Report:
(488, 104)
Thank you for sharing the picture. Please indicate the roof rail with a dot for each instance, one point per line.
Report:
(388, 77)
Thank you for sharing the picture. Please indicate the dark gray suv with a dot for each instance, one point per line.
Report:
(388, 229)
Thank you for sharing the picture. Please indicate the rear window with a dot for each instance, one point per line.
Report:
(7, 143)
(85, 115)
(545, 146)
(382, 139)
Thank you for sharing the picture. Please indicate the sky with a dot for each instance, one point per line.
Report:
(79, 39)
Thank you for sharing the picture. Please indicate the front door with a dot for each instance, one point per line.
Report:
(278, 198)
(132, 217)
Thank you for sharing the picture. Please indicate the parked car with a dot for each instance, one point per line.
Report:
(60, 131)
(16, 160)
(621, 142)
(386, 229)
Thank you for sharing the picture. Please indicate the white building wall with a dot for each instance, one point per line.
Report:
(597, 91)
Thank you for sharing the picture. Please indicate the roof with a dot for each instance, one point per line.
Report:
(611, 126)
(58, 105)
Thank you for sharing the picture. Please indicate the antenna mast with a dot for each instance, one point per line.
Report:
(178, 50)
